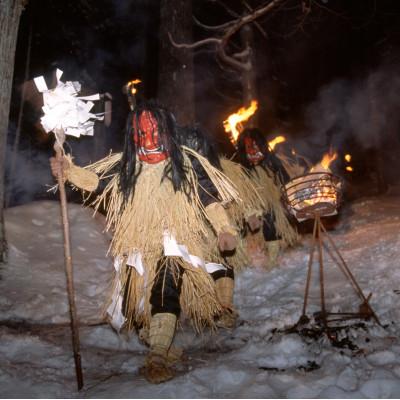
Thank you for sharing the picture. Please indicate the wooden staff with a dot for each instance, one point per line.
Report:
(68, 264)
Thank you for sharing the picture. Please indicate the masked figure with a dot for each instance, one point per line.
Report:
(164, 207)
(268, 175)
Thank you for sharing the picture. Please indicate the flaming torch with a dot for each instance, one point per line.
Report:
(233, 124)
(130, 90)
(65, 113)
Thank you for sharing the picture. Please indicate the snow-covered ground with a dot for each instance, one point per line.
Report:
(259, 359)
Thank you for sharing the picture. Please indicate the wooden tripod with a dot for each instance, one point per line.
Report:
(365, 311)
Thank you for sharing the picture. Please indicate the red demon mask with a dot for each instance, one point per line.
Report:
(253, 152)
(147, 139)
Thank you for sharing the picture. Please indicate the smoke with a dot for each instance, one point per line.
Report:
(31, 177)
(362, 111)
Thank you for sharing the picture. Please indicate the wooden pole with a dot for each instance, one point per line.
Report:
(68, 267)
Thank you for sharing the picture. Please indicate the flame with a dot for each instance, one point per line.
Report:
(277, 140)
(131, 85)
(327, 159)
(318, 187)
(350, 169)
(233, 122)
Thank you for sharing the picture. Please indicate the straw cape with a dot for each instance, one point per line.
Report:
(252, 204)
(271, 194)
(260, 194)
(140, 225)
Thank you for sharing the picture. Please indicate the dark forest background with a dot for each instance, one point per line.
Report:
(326, 75)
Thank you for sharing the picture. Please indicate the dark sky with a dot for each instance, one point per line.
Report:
(316, 74)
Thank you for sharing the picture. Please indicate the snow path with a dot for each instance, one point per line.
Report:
(256, 360)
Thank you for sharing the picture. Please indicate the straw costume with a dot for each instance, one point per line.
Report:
(165, 206)
(246, 215)
(197, 139)
(267, 174)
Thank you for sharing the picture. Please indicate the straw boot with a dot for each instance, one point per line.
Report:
(161, 334)
(224, 288)
(175, 353)
(273, 248)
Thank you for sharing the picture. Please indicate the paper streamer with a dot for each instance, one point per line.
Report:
(64, 110)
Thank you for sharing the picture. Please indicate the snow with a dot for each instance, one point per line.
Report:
(258, 359)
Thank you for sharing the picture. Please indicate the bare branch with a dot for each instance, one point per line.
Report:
(195, 44)
(243, 54)
(257, 25)
(227, 30)
(238, 24)
(214, 27)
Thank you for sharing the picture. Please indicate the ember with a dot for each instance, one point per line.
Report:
(347, 158)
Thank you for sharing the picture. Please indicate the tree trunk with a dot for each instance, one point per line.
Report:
(10, 11)
(249, 75)
(175, 78)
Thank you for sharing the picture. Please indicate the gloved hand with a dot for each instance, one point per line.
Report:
(56, 166)
(254, 222)
(226, 242)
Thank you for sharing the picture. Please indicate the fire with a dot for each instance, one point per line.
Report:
(326, 161)
(233, 122)
(131, 85)
(274, 142)
(350, 169)
(318, 185)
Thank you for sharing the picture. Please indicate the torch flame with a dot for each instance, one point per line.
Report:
(131, 85)
(243, 114)
(274, 142)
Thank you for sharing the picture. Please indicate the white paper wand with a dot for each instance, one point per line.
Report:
(67, 114)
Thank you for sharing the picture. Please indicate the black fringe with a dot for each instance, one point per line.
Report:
(168, 135)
